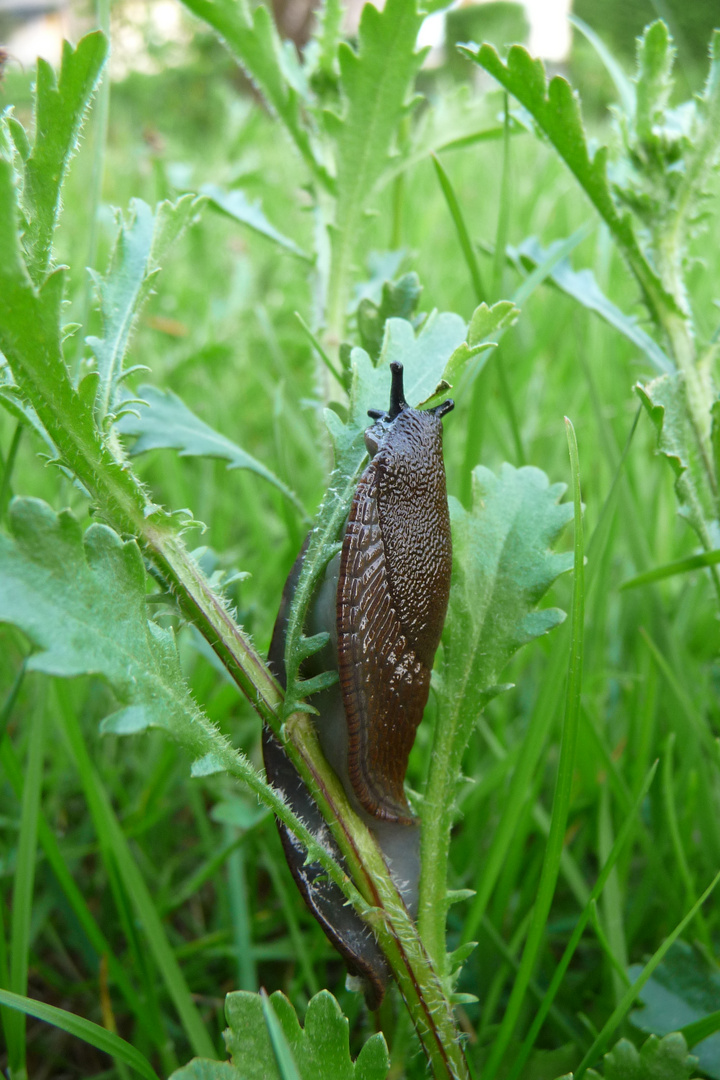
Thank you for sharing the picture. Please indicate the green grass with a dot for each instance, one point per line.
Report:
(133, 901)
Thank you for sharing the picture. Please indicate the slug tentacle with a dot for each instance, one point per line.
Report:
(383, 602)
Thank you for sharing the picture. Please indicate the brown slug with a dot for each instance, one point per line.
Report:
(383, 602)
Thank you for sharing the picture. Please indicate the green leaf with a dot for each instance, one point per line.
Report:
(466, 245)
(399, 301)
(283, 1054)
(665, 401)
(486, 323)
(81, 602)
(320, 1050)
(424, 356)
(683, 990)
(83, 1029)
(142, 243)
(31, 340)
(235, 204)
(657, 1059)
(59, 110)
(165, 422)
(556, 111)
(326, 37)
(202, 1069)
(680, 566)
(375, 82)
(502, 567)
(582, 286)
(633, 992)
(255, 43)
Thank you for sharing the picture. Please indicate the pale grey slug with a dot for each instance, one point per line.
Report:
(383, 602)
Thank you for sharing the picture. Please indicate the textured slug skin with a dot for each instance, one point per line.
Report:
(392, 598)
(383, 602)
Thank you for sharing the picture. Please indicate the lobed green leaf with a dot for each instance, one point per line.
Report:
(375, 83)
(556, 111)
(161, 420)
(667, 1058)
(502, 567)
(60, 107)
(320, 1050)
(141, 245)
(81, 603)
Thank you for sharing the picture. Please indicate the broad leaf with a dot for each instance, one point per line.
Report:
(59, 110)
(682, 990)
(320, 1050)
(142, 242)
(81, 603)
(555, 109)
(162, 420)
(236, 205)
(657, 1059)
(582, 286)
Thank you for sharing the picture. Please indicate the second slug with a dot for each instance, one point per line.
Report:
(383, 602)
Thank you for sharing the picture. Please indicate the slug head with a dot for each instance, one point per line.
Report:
(385, 422)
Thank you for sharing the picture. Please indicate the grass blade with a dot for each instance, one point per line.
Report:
(81, 1028)
(701, 1029)
(623, 85)
(23, 887)
(283, 1054)
(466, 243)
(561, 801)
(112, 837)
(97, 939)
(624, 1006)
(680, 566)
(620, 841)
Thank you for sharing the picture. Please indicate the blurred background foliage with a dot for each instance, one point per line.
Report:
(221, 332)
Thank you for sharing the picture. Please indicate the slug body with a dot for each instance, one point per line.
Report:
(383, 602)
